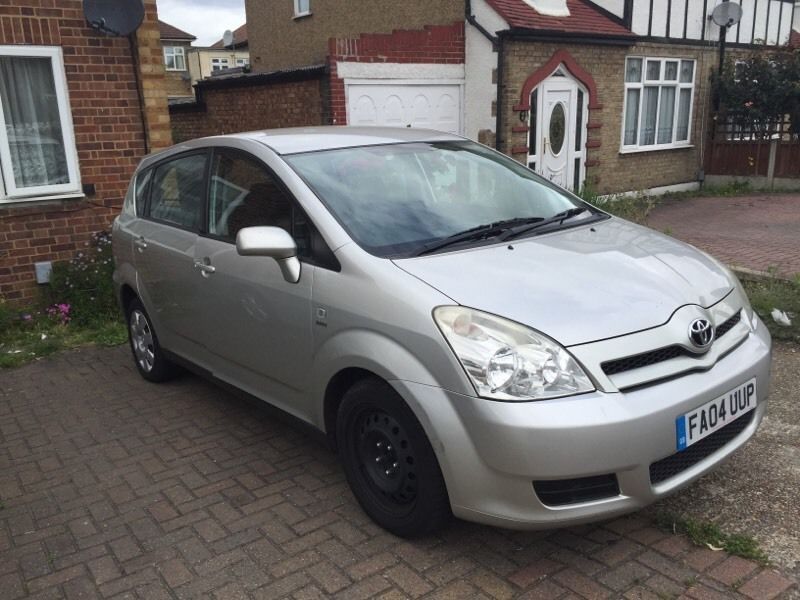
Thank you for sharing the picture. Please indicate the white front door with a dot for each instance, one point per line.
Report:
(557, 113)
(557, 122)
(430, 106)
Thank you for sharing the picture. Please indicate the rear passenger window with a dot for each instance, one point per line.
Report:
(178, 190)
(245, 194)
(142, 186)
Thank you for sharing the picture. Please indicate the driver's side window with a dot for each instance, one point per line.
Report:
(244, 194)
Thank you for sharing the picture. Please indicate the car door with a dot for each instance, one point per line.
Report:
(164, 242)
(256, 324)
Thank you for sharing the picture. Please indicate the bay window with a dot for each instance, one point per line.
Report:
(37, 145)
(658, 103)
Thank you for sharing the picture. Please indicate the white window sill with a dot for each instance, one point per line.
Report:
(19, 201)
(176, 70)
(302, 15)
(655, 148)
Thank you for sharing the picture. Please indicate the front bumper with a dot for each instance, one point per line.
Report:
(491, 452)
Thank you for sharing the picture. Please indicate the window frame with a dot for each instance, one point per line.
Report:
(660, 84)
(145, 213)
(175, 52)
(300, 13)
(329, 262)
(9, 192)
(219, 60)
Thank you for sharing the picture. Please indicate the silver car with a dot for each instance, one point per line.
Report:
(472, 340)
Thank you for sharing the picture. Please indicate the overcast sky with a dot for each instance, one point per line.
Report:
(207, 19)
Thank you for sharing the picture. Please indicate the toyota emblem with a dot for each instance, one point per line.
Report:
(701, 333)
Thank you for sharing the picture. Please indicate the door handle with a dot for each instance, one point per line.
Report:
(140, 244)
(204, 268)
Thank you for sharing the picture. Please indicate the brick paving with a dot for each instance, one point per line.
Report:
(755, 232)
(111, 487)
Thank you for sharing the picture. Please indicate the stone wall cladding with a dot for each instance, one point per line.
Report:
(279, 41)
(232, 109)
(609, 171)
(108, 131)
(439, 44)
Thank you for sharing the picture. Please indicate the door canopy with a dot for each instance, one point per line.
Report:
(561, 57)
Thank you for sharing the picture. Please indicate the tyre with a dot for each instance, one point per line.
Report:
(389, 462)
(147, 353)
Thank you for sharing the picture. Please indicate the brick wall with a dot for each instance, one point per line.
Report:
(274, 33)
(251, 102)
(109, 133)
(608, 170)
(178, 83)
(438, 44)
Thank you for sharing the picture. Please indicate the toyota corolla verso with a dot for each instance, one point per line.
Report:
(472, 339)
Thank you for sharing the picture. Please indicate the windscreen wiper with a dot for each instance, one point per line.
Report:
(555, 219)
(481, 232)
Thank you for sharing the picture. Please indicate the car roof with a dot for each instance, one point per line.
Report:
(307, 139)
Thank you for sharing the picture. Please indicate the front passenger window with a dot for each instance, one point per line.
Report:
(244, 194)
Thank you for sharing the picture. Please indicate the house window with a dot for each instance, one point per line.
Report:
(218, 64)
(302, 8)
(174, 58)
(242, 62)
(37, 151)
(658, 103)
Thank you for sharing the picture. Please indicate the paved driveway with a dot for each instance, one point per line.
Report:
(112, 487)
(755, 232)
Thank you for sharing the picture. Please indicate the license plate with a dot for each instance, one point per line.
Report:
(713, 416)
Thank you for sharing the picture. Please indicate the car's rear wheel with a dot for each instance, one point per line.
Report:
(147, 353)
(389, 462)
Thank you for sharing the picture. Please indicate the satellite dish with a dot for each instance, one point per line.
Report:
(227, 38)
(114, 17)
(727, 14)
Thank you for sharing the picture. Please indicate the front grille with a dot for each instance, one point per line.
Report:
(728, 325)
(575, 491)
(620, 365)
(671, 466)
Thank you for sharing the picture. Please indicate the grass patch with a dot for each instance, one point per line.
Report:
(768, 294)
(26, 336)
(632, 208)
(706, 534)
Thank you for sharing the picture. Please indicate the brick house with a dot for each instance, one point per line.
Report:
(609, 93)
(79, 110)
(176, 44)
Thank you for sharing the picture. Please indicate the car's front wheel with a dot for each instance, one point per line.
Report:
(147, 353)
(389, 462)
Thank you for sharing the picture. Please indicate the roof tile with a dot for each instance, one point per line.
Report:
(584, 18)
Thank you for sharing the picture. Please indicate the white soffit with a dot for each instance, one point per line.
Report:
(356, 70)
(549, 8)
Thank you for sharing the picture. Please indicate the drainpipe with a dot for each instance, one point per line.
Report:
(497, 45)
(474, 22)
(501, 46)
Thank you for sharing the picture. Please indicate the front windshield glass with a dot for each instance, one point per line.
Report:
(394, 199)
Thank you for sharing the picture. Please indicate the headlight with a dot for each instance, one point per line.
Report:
(508, 361)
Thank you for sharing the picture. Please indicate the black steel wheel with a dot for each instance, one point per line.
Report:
(389, 462)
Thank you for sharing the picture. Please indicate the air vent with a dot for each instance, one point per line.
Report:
(673, 465)
(574, 491)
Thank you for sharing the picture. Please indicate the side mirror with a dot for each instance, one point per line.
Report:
(273, 242)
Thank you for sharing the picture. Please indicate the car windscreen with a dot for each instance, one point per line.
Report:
(394, 199)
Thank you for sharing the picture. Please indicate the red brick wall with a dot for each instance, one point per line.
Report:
(108, 132)
(247, 107)
(441, 44)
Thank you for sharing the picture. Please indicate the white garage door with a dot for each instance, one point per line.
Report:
(405, 105)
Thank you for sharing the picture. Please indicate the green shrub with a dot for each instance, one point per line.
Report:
(84, 284)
